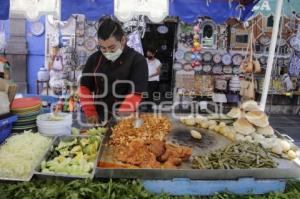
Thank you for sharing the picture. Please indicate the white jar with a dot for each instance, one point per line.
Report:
(43, 74)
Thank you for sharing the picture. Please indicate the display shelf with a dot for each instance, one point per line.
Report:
(292, 93)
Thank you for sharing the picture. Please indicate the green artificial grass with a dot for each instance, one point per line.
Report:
(111, 189)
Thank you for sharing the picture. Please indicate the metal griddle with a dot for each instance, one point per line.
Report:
(180, 134)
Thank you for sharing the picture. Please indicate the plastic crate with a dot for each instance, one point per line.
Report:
(6, 122)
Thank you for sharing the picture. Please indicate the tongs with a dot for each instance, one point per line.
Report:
(138, 122)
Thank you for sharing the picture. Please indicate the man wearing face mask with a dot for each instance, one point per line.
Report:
(116, 61)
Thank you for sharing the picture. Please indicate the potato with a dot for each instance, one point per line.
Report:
(212, 122)
(190, 122)
(277, 149)
(212, 127)
(232, 136)
(285, 145)
(196, 134)
(222, 130)
(199, 119)
(217, 129)
(291, 154)
(222, 124)
(205, 125)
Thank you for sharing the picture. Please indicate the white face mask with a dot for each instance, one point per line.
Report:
(114, 55)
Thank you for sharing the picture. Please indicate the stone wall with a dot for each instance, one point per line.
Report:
(16, 51)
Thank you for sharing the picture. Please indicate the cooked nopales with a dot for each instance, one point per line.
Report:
(243, 127)
(258, 118)
(242, 155)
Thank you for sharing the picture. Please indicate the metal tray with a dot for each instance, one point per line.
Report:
(32, 171)
(210, 141)
(38, 174)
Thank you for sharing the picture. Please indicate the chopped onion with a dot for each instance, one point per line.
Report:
(20, 153)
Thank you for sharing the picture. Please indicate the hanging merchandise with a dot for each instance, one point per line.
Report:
(219, 98)
(263, 60)
(177, 66)
(57, 63)
(207, 56)
(162, 29)
(179, 54)
(37, 28)
(90, 44)
(137, 23)
(220, 83)
(249, 65)
(234, 83)
(227, 69)
(204, 84)
(134, 41)
(2, 37)
(54, 40)
(217, 69)
(90, 29)
(286, 80)
(207, 68)
(236, 70)
(247, 90)
(257, 67)
(196, 42)
(294, 67)
(227, 59)
(237, 59)
(217, 58)
(187, 67)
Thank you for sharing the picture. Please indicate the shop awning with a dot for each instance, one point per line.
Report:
(218, 10)
(92, 9)
(187, 10)
(4, 9)
(268, 7)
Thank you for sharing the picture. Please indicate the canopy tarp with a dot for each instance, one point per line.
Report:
(218, 10)
(4, 9)
(187, 10)
(92, 9)
(268, 7)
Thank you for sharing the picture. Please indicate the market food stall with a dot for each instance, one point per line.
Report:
(197, 154)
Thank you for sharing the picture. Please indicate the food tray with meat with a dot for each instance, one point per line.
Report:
(144, 155)
(70, 157)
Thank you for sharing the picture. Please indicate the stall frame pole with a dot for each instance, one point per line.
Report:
(272, 48)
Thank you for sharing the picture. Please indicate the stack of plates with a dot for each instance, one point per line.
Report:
(27, 110)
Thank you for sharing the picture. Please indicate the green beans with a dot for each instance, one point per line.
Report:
(243, 155)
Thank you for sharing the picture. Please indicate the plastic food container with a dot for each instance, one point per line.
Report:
(60, 124)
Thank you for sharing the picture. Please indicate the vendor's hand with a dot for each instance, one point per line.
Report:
(93, 119)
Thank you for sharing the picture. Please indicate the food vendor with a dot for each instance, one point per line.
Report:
(116, 61)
